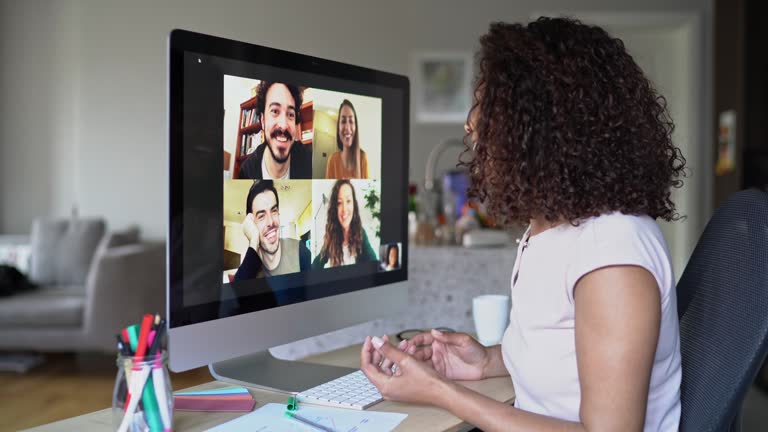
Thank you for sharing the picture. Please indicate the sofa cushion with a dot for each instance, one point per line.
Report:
(60, 306)
(62, 249)
(114, 239)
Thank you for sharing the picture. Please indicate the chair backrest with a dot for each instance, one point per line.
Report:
(723, 309)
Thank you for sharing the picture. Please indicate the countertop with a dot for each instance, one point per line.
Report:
(442, 282)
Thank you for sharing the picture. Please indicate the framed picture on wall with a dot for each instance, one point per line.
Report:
(442, 86)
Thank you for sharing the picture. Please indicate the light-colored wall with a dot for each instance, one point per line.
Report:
(39, 112)
(83, 99)
(323, 142)
(304, 222)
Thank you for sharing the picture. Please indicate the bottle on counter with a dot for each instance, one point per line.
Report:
(466, 223)
(413, 221)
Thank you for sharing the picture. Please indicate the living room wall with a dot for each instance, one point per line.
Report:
(83, 84)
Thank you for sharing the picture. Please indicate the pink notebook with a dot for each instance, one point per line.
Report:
(222, 399)
(208, 404)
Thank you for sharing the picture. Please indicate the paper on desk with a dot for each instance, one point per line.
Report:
(269, 418)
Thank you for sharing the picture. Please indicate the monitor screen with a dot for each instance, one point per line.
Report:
(288, 178)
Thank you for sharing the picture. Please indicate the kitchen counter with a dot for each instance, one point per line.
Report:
(442, 282)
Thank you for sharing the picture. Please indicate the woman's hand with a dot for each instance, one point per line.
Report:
(414, 382)
(456, 356)
(385, 365)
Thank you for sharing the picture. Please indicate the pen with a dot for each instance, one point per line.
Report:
(318, 426)
(158, 375)
(136, 388)
(150, 339)
(148, 397)
(127, 360)
(158, 381)
(127, 366)
(133, 336)
(127, 340)
(156, 345)
(146, 324)
(121, 348)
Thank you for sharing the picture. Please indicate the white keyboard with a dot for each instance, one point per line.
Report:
(352, 391)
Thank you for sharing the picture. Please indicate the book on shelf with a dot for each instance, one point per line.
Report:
(250, 142)
(249, 118)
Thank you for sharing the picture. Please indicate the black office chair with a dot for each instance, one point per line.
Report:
(723, 309)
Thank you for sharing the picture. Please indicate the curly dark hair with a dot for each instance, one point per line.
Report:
(567, 126)
(261, 97)
(334, 233)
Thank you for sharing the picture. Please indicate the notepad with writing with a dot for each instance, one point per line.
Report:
(271, 418)
(220, 399)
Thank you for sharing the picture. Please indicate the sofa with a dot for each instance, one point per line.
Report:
(90, 284)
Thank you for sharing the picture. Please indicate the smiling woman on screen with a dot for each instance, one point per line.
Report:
(345, 241)
(350, 161)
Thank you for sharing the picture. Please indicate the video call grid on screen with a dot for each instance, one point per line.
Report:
(216, 116)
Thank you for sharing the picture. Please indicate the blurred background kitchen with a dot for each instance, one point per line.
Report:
(83, 127)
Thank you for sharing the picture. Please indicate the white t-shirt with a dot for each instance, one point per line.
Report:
(539, 347)
(265, 172)
(347, 258)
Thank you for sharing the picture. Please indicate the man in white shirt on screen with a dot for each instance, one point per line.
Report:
(281, 155)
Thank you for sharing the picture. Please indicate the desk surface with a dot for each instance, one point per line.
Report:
(420, 418)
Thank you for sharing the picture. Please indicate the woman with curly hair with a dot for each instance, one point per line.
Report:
(571, 138)
(345, 240)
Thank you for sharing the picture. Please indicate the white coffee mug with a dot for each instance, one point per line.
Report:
(491, 314)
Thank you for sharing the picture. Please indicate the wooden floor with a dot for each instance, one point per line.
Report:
(67, 385)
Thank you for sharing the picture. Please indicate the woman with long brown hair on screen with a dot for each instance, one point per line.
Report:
(345, 241)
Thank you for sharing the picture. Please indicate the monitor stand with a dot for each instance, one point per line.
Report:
(263, 370)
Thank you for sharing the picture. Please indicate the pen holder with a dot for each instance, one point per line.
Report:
(142, 399)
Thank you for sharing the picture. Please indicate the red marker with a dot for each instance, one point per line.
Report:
(146, 326)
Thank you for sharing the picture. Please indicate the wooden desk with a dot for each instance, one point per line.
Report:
(420, 418)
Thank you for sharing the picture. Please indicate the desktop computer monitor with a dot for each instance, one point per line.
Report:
(288, 185)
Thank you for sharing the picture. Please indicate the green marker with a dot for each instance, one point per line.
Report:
(292, 405)
(151, 409)
(133, 335)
